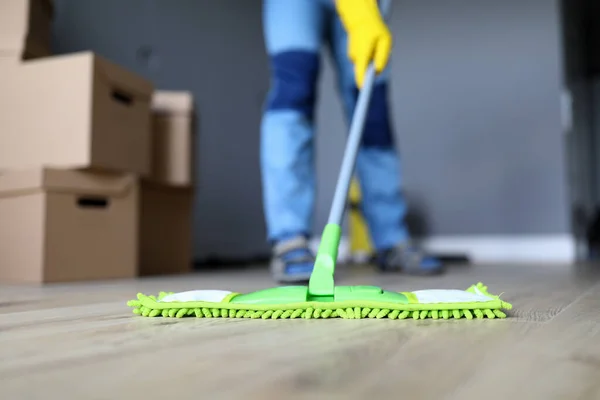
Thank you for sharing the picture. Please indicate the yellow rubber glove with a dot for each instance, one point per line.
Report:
(369, 38)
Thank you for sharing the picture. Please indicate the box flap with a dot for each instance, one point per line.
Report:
(172, 102)
(25, 16)
(123, 79)
(13, 43)
(14, 17)
(13, 183)
(23, 46)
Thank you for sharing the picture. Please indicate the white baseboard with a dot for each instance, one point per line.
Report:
(509, 248)
(494, 248)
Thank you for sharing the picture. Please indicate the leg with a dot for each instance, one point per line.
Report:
(378, 166)
(293, 31)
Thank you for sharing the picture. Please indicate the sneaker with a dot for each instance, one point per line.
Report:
(404, 258)
(292, 261)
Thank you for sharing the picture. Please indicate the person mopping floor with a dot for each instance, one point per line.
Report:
(322, 298)
(356, 35)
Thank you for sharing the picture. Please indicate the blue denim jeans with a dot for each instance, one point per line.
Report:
(295, 31)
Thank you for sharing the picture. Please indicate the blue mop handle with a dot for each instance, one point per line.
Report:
(338, 205)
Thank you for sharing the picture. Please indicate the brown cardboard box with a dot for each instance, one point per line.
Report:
(25, 28)
(173, 138)
(165, 229)
(61, 226)
(75, 111)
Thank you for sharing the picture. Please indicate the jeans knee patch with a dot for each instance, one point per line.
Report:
(378, 131)
(294, 80)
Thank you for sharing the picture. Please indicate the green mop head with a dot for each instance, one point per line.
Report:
(351, 302)
(322, 299)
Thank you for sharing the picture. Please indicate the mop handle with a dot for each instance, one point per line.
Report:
(338, 205)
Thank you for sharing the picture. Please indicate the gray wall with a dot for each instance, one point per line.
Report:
(475, 98)
(478, 116)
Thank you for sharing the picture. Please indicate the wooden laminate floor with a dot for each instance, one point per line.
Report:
(80, 341)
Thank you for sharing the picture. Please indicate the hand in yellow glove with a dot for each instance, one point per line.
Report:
(369, 39)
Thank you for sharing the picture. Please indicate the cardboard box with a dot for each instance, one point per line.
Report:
(75, 111)
(25, 28)
(165, 229)
(173, 138)
(62, 226)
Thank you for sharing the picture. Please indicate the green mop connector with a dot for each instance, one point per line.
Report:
(321, 286)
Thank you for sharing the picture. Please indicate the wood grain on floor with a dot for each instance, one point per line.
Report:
(80, 341)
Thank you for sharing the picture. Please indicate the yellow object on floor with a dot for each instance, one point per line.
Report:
(361, 247)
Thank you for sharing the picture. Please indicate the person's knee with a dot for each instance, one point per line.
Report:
(378, 129)
(294, 82)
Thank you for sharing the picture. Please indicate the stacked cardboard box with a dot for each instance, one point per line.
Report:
(80, 195)
(167, 195)
(173, 123)
(62, 225)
